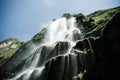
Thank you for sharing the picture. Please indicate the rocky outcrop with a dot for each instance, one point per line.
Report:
(8, 48)
(95, 56)
(107, 53)
(71, 66)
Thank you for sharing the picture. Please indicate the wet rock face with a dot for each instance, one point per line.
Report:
(107, 53)
(63, 68)
(78, 57)
(19, 60)
(49, 52)
(81, 45)
(111, 49)
(16, 62)
(70, 66)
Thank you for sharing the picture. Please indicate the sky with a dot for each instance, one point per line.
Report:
(23, 19)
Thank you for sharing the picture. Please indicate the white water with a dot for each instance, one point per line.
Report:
(59, 30)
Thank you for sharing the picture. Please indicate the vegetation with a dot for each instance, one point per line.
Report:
(40, 35)
(8, 48)
(67, 15)
(100, 37)
(100, 19)
(104, 15)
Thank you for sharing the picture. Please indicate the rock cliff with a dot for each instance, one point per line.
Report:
(74, 47)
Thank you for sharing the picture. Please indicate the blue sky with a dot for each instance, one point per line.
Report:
(22, 19)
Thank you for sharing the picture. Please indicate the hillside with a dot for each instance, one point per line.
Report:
(8, 48)
(74, 47)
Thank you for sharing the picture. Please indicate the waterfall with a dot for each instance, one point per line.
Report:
(60, 38)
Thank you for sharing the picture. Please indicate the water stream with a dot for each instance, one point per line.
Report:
(61, 34)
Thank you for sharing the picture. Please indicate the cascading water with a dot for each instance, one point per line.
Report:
(61, 30)
(63, 51)
(35, 59)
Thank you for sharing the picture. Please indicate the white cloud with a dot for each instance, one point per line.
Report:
(49, 3)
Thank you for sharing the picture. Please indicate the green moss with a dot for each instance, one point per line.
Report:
(101, 18)
(40, 35)
(102, 15)
(81, 52)
(79, 76)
